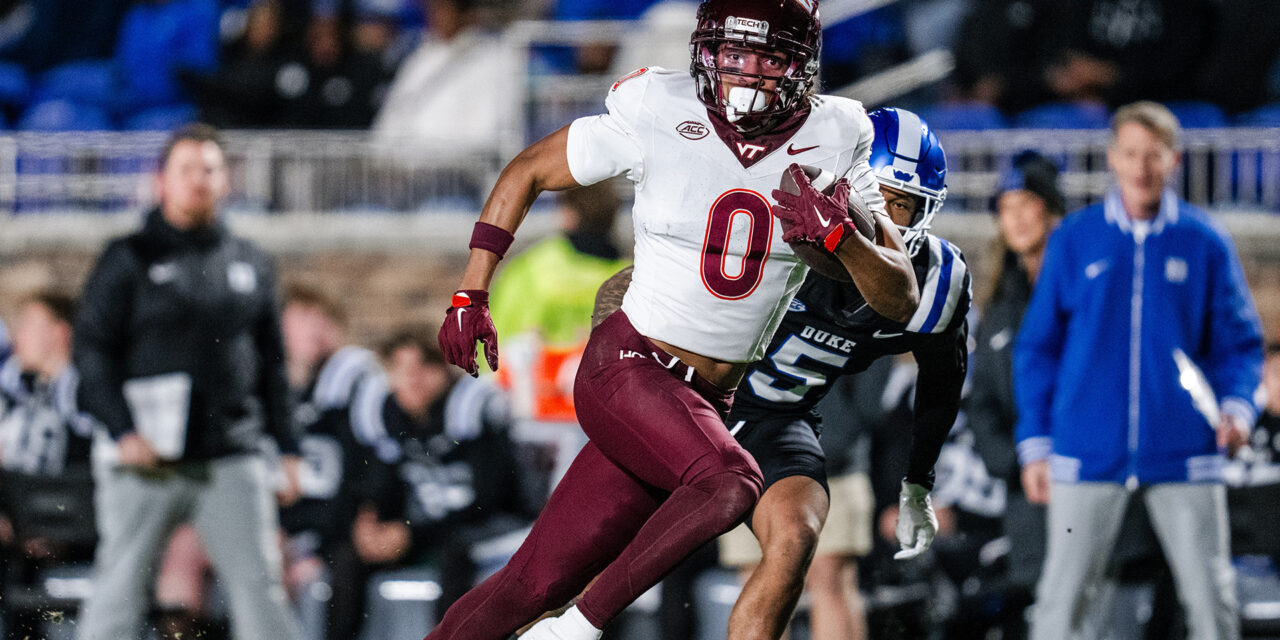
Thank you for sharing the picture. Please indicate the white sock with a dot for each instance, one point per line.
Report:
(572, 625)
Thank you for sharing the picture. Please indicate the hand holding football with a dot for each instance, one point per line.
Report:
(790, 212)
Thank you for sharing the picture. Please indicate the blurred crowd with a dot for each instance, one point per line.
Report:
(399, 65)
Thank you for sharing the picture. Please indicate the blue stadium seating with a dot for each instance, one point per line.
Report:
(15, 85)
(64, 115)
(1064, 115)
(87, 82)
(1195, 114)
(963, 116)
(1265, 116)
(161, 118)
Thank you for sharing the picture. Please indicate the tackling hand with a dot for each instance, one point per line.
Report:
(917, 524)
(467, 321)
(813, 217)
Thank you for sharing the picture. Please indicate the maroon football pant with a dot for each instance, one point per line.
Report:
(660, 477)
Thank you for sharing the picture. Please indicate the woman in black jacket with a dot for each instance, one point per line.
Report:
(1028, 207)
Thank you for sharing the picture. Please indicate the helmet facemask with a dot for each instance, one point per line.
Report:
(756, 101)
(930, 202)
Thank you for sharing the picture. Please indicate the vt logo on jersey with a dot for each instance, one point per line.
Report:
(749, 150)
(692, 129)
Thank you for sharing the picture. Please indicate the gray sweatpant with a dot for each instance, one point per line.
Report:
(1190, 521)
(232, 507)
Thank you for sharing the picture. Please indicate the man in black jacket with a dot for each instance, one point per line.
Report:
(179, 349)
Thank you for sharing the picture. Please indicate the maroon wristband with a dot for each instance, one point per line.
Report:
(491, 238)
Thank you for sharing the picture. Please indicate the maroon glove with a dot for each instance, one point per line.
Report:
(465, 322)
(812, 217)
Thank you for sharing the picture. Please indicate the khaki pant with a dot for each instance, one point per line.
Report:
(1190, 521)
(231, 505)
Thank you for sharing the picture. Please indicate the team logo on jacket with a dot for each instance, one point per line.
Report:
(1175, 270)
(162, 272)
(241, 277)
(692, 129)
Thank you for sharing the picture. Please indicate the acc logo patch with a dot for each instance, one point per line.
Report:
(796, 306)
(692, 129)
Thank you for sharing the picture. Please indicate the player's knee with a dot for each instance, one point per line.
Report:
(730, 494)
(791, 542)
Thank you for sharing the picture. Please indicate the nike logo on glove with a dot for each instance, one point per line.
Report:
(821, 218)
(792, 150)
(461, 310)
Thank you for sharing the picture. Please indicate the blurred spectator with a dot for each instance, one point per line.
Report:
(4, 341)
(458, 89)
(1003, 48)
(542, 299)
(1135, 296)
(454, 487)
(1265, 439)
(339, 390)
(660, 38)
(1028, 208)
(42, 433)
(246, 90)
(1118, 51)
(332, 86)
(596, 57)
(178, 341)
(41, 430)
(160, 39)
(862, 45)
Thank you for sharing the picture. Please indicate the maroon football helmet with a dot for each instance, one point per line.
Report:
(788, 29)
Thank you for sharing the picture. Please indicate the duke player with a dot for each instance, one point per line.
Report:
(661, 475)
(828, 332)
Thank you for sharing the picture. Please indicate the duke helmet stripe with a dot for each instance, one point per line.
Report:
(907, 151)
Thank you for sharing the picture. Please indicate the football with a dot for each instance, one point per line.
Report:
(818, 258)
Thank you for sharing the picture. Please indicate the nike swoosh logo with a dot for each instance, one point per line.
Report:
(821, 218)
(461, 310)
(880, 334)
(792, 150)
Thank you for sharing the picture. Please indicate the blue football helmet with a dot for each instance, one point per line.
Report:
(906, 155)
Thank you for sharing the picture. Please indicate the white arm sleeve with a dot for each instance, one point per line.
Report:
(601, 147)
(861, 176)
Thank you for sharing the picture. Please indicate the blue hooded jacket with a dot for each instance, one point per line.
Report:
(1097, 385)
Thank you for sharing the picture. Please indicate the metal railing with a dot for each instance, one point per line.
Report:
(347, 172)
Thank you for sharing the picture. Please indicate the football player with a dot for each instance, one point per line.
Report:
(829, 331)
(661, 475)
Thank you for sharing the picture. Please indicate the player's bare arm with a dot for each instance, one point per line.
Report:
(543, 166)
(881, 270)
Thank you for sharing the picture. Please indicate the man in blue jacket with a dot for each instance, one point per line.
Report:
(1135, 295)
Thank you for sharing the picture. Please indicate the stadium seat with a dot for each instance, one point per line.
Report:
(164, 118)
(89, 82)
(963, 116)
(1265, 116)
(1195, 114)
(64, 115)
(1064, 115)
(15, 85)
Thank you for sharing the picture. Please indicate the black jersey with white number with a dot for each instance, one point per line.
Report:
(41, 429)
(454, 467)
(830, 331)
(339, 436)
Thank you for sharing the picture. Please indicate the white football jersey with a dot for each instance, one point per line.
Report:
(712, 274)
